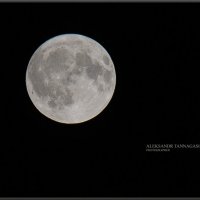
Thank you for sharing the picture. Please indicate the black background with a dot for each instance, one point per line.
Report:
(156, 52)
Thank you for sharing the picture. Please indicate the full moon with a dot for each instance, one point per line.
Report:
(70, 78)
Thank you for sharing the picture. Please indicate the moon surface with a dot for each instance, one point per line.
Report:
(70, 78)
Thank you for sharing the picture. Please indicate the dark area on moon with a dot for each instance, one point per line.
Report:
(56, 63)
(156, 52)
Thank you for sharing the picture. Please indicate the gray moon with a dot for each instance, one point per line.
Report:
(70, 78)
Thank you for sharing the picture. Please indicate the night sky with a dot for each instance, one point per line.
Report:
(156, 52)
